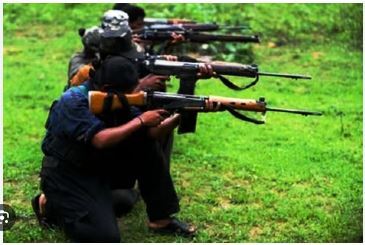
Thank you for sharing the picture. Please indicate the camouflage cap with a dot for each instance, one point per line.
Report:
(114, 18)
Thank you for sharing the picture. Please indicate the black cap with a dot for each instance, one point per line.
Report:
(91, 38)
(116, 74)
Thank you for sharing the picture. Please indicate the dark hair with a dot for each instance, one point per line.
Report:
(115, 42)
(115, 74)
(134, 12)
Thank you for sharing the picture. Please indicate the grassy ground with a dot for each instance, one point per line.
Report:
(294, 179)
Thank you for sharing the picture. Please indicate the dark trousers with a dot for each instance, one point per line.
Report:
(166, 144)
(80, 200)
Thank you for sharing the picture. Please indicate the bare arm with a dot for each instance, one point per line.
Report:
(165, 127)
(112, 136)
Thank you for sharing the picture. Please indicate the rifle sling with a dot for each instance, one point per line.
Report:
(240, 116)
(123, 100)
(233, 86)
(108, 102)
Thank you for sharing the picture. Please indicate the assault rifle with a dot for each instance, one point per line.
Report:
(100, 102)
(154, 21)
(181, 69)
(193, 36)
(193, 27)
(188, 24)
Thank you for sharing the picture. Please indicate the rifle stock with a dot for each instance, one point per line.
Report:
(97, 101)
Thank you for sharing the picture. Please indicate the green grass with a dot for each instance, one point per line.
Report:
(294, 179)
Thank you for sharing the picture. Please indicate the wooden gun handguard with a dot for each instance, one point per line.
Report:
(214, 103)
(97, 98)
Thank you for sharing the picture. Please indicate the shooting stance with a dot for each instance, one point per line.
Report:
(87, 156)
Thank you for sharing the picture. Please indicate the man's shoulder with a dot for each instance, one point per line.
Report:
(82, 89)
(76, 94)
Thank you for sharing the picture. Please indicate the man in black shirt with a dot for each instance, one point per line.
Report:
(87, 156)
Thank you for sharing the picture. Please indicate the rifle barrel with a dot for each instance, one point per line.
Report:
(203, 37)
(183, 27)
(200, 27)
(293, 76)
(295, 111)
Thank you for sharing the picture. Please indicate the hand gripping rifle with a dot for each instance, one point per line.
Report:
(180, 69)
(100, 102)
